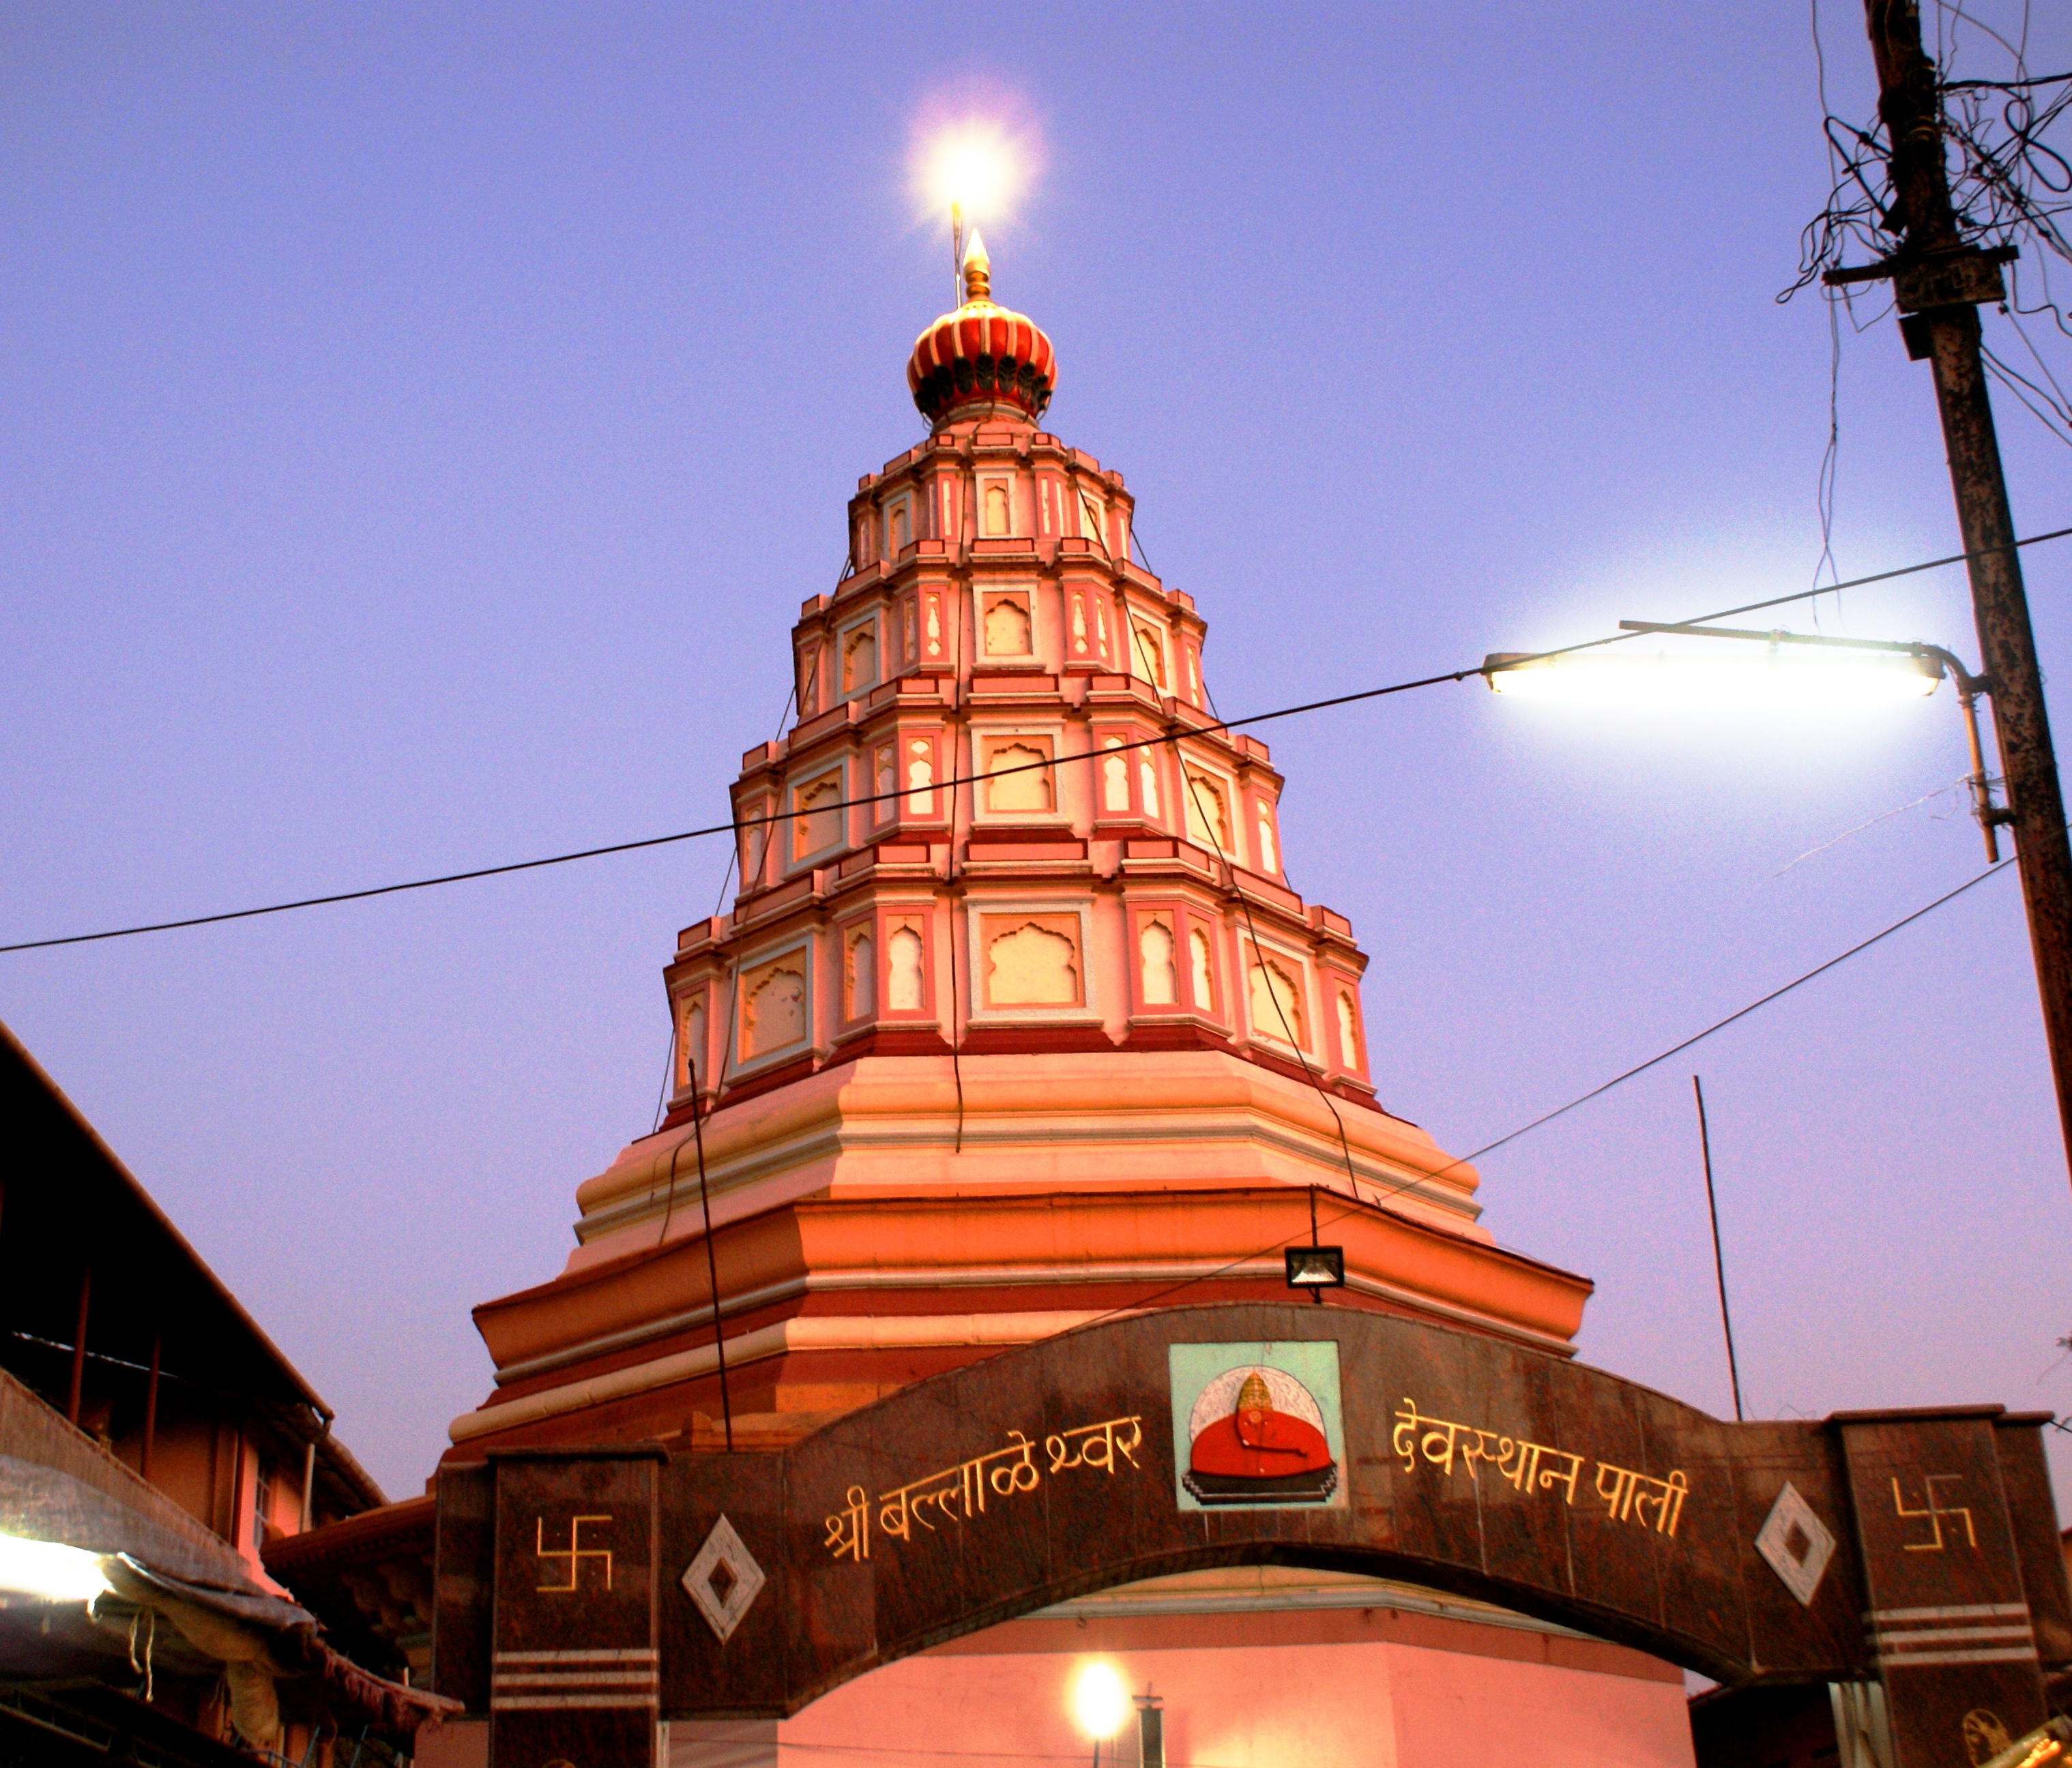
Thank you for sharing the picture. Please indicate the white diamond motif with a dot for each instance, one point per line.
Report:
(1796, 1543)
(723, 1580)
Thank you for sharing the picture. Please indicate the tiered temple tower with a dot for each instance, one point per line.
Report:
(1015, 1021)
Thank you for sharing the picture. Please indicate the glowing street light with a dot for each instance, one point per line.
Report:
(1798, 670)
(50, 1571)
(1100, 1702)
(1663, 680)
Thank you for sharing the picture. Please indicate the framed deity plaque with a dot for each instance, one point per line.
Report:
(1257, 1426)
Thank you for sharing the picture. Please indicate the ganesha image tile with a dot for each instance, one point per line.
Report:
(1256, 1425)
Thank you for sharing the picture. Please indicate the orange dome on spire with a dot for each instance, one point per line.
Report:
(981, 355)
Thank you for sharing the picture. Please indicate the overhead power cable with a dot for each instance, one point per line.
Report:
(1742, 1013)
(1547, 1118)
(1206, 727)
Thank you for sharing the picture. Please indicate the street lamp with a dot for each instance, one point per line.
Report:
(1833, 671)
(50, 1571)
(1100, 1702)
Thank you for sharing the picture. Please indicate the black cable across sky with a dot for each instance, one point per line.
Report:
(1545, 1117)
(734, 828)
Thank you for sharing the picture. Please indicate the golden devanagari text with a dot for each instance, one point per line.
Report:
(1095, 1444)
(958, 1493)
(848, 1529)
(1530, 1467)
(1633, 1492)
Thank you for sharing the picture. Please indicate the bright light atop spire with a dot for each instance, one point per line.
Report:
(976, 165)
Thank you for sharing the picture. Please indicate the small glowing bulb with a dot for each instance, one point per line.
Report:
(1100, 1702)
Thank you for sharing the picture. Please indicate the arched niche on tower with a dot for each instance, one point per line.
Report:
(1280, 1007)
(694, 1020)
(1173, 962)
(857, 651)
(1207, 795)
(1007, 626)
(1031, 960)
(774, 1007)
(906, 938)
(1019, 778)
(817, 816)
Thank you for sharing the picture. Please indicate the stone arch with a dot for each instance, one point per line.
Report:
(860, 982)
(860, 660)
(1208, 818)
(1155, 955)
(773, 1008)
(1276, 1002)
(691, 1043)
(903, 982)
(1460, 1462)
(809, 681)
(1150, 657)
(1007, 630)
(817, 821)
(1349, 1055)
(997, 519)
(1032, 966)
(1115, 778)
(920, 776)
(1028, 789)
(1203, 974)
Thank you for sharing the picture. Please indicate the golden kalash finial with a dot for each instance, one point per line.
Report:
(978, 271)
(1255, 1396)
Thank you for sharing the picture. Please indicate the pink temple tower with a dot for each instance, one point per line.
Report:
(1015, 1023)
(1015, 1020)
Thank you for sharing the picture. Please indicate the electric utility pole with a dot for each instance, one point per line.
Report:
(1938, 283)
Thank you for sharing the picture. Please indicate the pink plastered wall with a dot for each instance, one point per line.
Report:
(1388, 1704)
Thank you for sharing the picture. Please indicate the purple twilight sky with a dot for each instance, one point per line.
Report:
(419, 426)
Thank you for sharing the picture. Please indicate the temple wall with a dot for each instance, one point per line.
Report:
(1414, 1694)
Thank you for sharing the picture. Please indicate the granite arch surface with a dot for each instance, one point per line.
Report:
(1461, 1461)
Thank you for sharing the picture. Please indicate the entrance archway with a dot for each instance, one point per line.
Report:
(1919, 1548)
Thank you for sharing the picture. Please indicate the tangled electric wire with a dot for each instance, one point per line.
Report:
(2010, 186)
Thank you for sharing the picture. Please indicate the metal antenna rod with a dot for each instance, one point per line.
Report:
(1718, 1263)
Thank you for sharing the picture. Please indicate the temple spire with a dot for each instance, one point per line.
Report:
(978, 270)
(982, 356)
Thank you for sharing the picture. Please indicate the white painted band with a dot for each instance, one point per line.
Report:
(631, 1655)
(1906, 1638)
(573, 1679)
(551, 1702)
(1881, 1617)
(1919, 1660)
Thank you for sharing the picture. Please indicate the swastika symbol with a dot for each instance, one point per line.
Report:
(1935, 1511)
(574, 1553)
